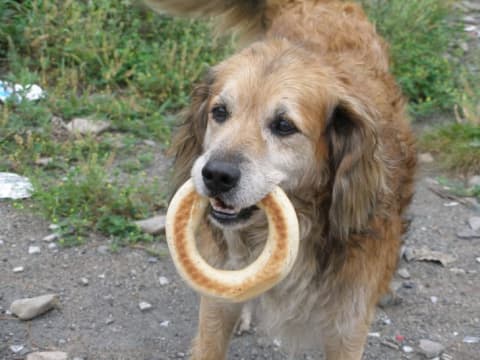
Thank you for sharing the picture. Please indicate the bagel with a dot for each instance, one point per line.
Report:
(184, 214)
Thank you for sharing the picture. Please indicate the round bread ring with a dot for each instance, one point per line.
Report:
(186, 211)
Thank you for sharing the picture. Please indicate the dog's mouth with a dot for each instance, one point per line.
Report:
(229, 215)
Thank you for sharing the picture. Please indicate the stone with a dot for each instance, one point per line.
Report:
(44, 161)
(403, 273)
(51, 237)
(430, 349)
(32, 250)
(477, 260)
(425, 158)
(18, 269)
(468, 234)
(16, 348)
(163, 281)
(144, 306)
(474, 223)
(407, 349)
(103, 249)
(84, 281)
(152, 226)
(47, 355)
(30, 308)
(474, 181)
(82, 126)
(165, 323)
(52, 246)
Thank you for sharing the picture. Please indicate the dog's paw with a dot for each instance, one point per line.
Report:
(244, 323)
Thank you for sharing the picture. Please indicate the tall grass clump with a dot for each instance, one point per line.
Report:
(421, 35)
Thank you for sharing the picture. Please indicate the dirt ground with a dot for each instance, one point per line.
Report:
(102, 319)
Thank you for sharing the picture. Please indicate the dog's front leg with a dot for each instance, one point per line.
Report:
(216, 322)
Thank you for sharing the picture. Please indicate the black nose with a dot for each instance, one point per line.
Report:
(220, 176)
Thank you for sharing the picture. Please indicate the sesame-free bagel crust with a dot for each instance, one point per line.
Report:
(183, 217)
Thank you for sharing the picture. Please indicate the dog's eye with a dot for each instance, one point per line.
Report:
(219, 113)
(282, 127)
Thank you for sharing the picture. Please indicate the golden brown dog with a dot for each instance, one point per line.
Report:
(308, 105)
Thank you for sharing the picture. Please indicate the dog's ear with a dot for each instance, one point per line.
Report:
(188, 138)
(356, 166)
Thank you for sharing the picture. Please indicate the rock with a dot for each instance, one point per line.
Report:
(430, 349)
(47, 355)
(474, 181)
(13, 186)
(51, 237)
(84, 281)
(18, 269)
(425, 158)
(103, 249)
(165, 323)
(44, 161)
(471, 340)
(110, 320)
(433, 299)
(32, 250)
(52, 246)
(425, 254)
(468, 234)
(163, 281)
(27, 309)
(458, 271)
(153, 226)
(477, 260)
(403, 273)
(144, 306)
(82, 126)
(53, 227)
(474, 223)
(16, 348)
(407, 349)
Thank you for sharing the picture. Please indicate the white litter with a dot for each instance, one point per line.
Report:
(19, 92)
(13, 186)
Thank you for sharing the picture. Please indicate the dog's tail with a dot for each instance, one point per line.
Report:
(250, 17)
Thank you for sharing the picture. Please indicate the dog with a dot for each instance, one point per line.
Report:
(308, 104)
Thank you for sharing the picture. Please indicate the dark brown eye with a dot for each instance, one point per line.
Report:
(220, 113)
(282, 127)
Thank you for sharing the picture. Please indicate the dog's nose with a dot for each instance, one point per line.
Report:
(220, 176)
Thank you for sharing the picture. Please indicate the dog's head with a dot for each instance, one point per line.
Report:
(273, 115)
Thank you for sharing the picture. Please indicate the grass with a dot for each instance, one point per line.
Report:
(117, 61)
(106, 60)
(421, 35)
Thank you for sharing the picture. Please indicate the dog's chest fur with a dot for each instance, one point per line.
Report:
(299, 310)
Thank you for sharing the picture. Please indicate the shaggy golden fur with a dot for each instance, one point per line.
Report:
(348, 168)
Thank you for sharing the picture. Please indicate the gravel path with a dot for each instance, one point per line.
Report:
(99, 315)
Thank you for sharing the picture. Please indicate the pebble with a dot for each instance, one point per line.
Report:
(110, 320)
(34, 250)
(52, 246)
(163, 281)
(471, 339)
(468, 234)
(103, 249)
(84, 281)
(16, 348)
(407, 349)
(403, 273)
(18, 269)
(165, 323)
(53, 227)
(144, 306)
(83, 126)
(433, 299)
(458, 271)
(30, 308)
(152, 260)
(474, 223)
(51, 237)
(425, 158)
(47, 355)
(153, 226)
(1, 242)
(477, 260)
(474, 181)
(430, 349)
